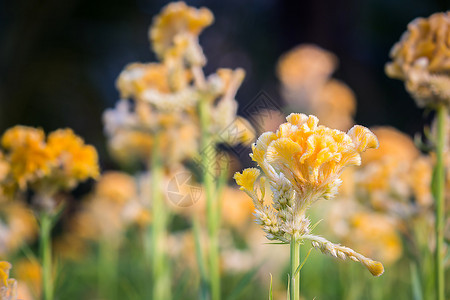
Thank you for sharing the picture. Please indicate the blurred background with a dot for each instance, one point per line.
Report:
(59, 59)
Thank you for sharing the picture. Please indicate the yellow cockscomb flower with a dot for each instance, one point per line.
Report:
(116, 186)
(29, 157)
(303, 162)
(8, 286)
(422, 59)
(180, 24)
(75, 160)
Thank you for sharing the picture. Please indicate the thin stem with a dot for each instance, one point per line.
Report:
(46, 255)
(212, 205)
(158, 232)
(108, 268)
(439, 194)
(294, 286)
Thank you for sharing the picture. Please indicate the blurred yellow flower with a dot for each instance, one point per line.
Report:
(8, 286)
(29, 157)
(75, 161)
(29, 272)
(422, 59)
(18, 226)
(177, 24)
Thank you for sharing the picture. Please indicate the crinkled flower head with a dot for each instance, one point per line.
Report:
(422, 59)
(309, 155)
(178, 26)
(302, 162)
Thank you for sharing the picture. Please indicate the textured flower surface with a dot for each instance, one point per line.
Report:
(422, 59)
(302, 162)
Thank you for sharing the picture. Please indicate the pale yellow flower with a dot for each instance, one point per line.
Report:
(303, 162)
(8, 286)
(179, 25)
(116, 186)
(422, 59)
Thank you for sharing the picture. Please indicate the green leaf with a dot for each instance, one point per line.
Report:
(301, 265)
(270, 288)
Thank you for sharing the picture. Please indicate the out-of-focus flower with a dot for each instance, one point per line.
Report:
(8, 286)
(236, 208)
(396, 173)
(305, 73)
(422, 59)
(303, 162)
(17, 226)
(178, 27)
(108, 211)
(74, 160)
(47, 166)
(29, 273)
(306, 64)
(30, 158)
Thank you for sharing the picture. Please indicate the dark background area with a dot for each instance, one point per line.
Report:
(59, 59)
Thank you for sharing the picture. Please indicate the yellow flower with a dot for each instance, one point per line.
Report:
(311, 157)
(29, 157)
(8, 286)
(303, 162)
(422, 59)
(305, 64)
(29, 272)
(179, 24)
(246, 179)
(116, 186)
(75, 160)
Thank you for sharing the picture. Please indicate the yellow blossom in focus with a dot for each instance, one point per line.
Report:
(177, 23)
(29, 157)
(8, 286)
(422, 59)
(75, 160)
(246, 179)
(303, 162)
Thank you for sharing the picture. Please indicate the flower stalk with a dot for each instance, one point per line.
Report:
(438, 185)
(294, 287)
(212, 205)
(158, 232)
(46, 224)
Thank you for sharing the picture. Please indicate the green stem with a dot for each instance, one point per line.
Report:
(212, 204)
(439, 194)
(294, 286)
(46, 255)
(108, 269)
(158, 231)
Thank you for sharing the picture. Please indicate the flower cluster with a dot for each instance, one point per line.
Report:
(421, 59)
(305, 73)
(167, 94)
(302, 162)
(49, 164)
